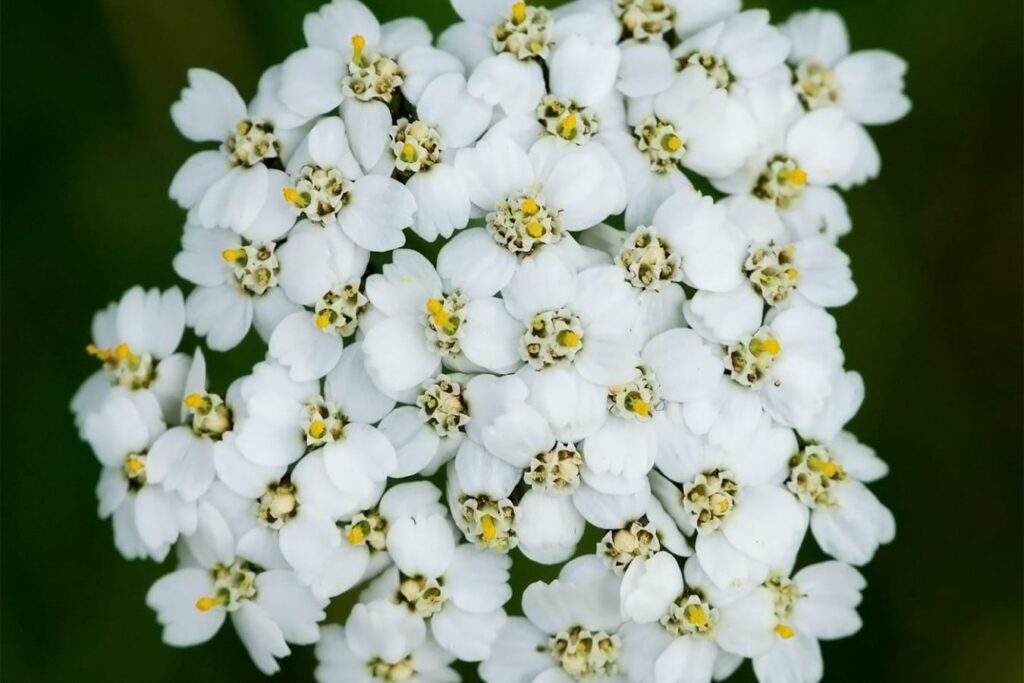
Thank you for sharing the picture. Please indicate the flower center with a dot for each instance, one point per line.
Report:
(367, 528)
(567, 120)
(211, 417)
(556, 470)
(491, 524)
(661, 143)
(786, 593)
(416, 146)
(338, 310)
(277, 505)
(585, 654)
(253, 141)
(524, 32)
(443, 322)
(233, 584)
(750, 360)
(770, 268)
(781, 182)
(619, 547)
(423, 596)
(813, 475)
(815, 85)
(322, 423)
(125, 368)
(648, 260)
(135, 471)
(709, 498)
(645, 19)
(391, 672)
(319, 193)
(254, 267)
(690, 615)
(553, 338)
(637, 400)
(521, 223)
(443, 406)
(371, 75)
(714, 66)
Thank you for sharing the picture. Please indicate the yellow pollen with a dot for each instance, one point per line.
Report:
(358, 45)
(536, 46)
(291, 195)
(323, 319)
(797, 177)
(206, 604)
(437, 313)
(641, 408)
(356, 536)
(529, 206)
(569, 125)
(519, 12)
(122, 352)
(134, 465)
(784, 631)
(408, 152)
(569, 338)
(534, 229)
(674, 143)
(828, 469)
(194, 401)
(230, 255)
(488, 531)
(771, 345)
(696, 615)
(317, 429)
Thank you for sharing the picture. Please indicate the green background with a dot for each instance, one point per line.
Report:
(88, 153)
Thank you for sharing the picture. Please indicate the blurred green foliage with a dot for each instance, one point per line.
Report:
(89, 150)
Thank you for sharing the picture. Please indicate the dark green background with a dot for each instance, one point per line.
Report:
(88, 153)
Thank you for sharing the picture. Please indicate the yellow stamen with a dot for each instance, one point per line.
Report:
(674, 143)
(534, 229)
(568, 338)
(292, 196)
(358, 45)
(519, 12)
(529, 206)
(317, 429)
(792, 273)
(488, 531)
(536, 47)
(828, 469)
(356, 536)
(134, 465)
(569, 125)
(797, 176)
(206, 604)
(122, 352)
(194, 401)
(772, 346)
(641, 408)
(437, 313)
(230, 255)
(323, 319)
(408, 152)
(784, 631)
(696, 615)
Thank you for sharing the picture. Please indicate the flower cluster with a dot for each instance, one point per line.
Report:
(611, 315)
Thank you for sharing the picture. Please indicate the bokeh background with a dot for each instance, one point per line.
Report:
(88, 150)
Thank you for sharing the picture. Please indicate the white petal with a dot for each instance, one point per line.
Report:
(307, 351)
(768, 525)
(473, 263)
(398, 356)
(208, 108)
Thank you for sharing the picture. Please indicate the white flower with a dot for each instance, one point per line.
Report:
(479, 490)
(332, 187)
(238, 185)
(147, 519)
(381, 642)
(688, 631)
(236, 286)
(460, 589)
(734, 52)
(818, 603)
(425, 324)
(352, 61)
(532, 202)
(867, 85)
(322, 270)
(135, 339)
(745, 520)
(269, 607)
(570, 631)
(847, 520)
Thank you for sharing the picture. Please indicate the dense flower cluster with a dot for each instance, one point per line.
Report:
(622, 326)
